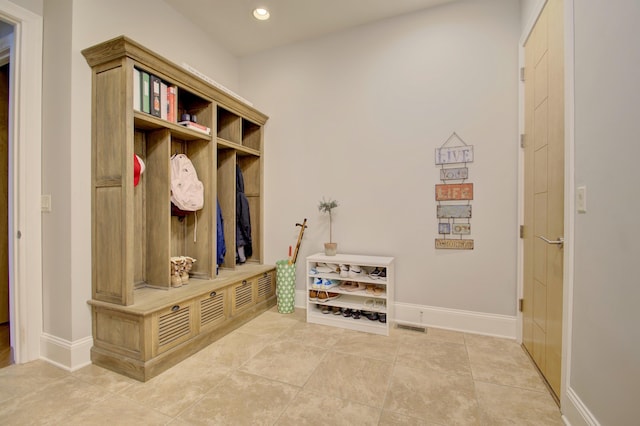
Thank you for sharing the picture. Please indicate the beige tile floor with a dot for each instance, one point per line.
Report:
(279, 370)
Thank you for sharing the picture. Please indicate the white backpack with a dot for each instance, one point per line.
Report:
(187, 192)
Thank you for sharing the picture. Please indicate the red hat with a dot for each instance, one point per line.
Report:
(138, 169)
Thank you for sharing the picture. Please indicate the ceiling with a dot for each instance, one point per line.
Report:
(231, 23)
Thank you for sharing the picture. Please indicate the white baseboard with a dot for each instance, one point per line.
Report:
(575, 412)
(457, 320)
(450, 319)
(301, 299)
(67, 355)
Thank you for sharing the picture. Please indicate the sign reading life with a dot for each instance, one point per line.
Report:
(454, 191)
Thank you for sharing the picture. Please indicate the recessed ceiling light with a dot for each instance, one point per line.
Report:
(261, 14)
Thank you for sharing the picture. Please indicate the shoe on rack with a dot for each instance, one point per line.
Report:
(355, 271)
(355, 286)
(382, 317)
(323, 296)
(313, 295)
(322, 268)
(378, 274)
(355, 314)
(317, 283)
(370, 303)
(373, 316)
(347, 285)
(327, 284)
(331, 296)
(344, 271)
(334, 267)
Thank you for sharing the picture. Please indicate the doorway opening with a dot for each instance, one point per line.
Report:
(6, 35)
(22, 48)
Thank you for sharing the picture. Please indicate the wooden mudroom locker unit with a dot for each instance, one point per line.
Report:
(141, 324)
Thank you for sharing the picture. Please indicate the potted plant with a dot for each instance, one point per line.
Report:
(326, 206)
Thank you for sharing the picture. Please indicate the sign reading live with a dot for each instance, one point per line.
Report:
(454, 191)
(454, 154)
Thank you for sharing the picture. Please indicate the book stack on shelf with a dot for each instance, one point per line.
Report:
(195, 126)
(153, 96)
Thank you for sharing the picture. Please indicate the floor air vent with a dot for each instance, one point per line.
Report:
(412, 328)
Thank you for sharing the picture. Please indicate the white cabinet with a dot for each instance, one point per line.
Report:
(350, 291)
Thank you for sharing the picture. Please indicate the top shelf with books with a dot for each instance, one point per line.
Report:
(112, 52)
(155, 97)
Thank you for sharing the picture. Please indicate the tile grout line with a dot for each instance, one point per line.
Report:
(389, 380)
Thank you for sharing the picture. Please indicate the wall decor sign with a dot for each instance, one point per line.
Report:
(442, 243)
(454, 173)
(444, 228)
(454, 195)
(454, 191)
(461, 229)
(454, 154)
(454, 211)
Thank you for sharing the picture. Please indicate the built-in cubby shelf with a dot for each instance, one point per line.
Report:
(134, 234)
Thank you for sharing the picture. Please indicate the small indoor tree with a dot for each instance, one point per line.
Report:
(326, 206)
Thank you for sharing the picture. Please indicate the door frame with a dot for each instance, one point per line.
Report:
(25, 171)
(569, 189)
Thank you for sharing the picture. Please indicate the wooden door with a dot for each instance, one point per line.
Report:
(4, 194)
(544, 193)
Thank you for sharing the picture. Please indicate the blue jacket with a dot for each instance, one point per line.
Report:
(221, 245)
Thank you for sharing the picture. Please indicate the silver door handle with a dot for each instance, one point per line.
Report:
(559, 241)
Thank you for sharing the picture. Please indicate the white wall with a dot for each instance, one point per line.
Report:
(605, 371)
(70, 27)
(357, 116)
(528, 9)
(34, 6)
(56, 171)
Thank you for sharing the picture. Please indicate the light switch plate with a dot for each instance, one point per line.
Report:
(45, 203)
(581, 199)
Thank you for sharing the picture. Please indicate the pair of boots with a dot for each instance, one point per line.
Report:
(180, 267)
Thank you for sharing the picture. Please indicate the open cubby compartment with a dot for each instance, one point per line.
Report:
(155, 184)
(251, 168)
(139, 215)
(157, 234)
(227, 198)
(194, 105)
(194, 234)
(229, 125)
(251, 135)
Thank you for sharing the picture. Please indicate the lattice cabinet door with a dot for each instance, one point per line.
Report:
(243, 295)
(266, 286)
(173, 326)
(213, 309)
